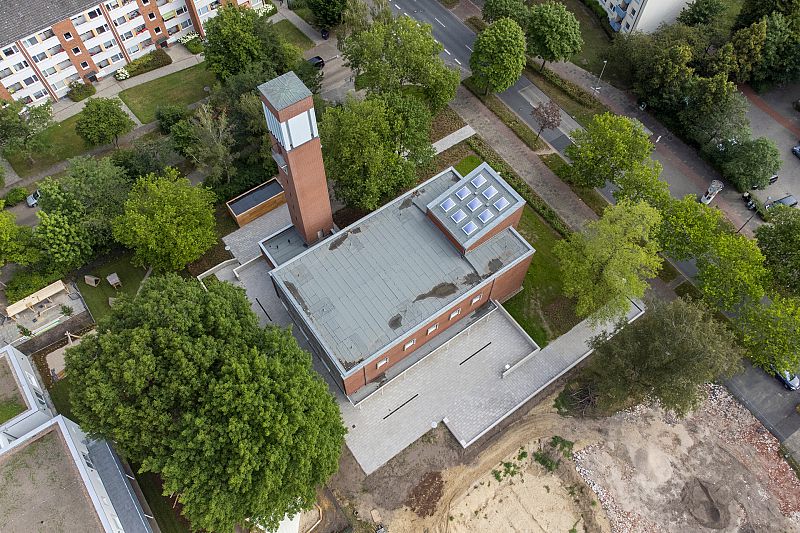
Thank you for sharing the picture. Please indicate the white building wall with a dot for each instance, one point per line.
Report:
(32, 393)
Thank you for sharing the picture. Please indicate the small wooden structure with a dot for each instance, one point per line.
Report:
(251, 204)
(113, 280)
(40, 299)
(92, 281)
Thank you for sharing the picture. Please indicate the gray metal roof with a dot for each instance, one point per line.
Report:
(284, 90)
(19, 19)
(384, 276)
(476, 204)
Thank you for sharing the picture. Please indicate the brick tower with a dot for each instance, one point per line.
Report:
(289, 110)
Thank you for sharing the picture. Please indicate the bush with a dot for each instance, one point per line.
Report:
(15, 196)
(79, 90)
(195, 46)
(155, 59)
(170, 114)
(25, 282)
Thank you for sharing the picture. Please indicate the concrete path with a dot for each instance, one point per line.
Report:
(453, 139)
(525, 162)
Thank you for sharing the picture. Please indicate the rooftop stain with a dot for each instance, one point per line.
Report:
(442, 290)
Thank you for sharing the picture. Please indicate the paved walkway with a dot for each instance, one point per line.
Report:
(522, 160)
(453, 139)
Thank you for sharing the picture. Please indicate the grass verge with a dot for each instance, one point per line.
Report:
(182, 88)
(168, 519)
(468, 164)
(306, 14)
(449, 4)
(62, 142)
(97, 297)
(291, 34)
(59, 394)
(506, 116)
(590, 197)
(578, 103)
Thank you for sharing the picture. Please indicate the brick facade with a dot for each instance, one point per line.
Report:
(61, 29)
(4, 94)
(156, 27)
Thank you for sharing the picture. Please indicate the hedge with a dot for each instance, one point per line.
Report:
(195, 46)
(79, 90)
(155, 59)
(15, 196)
(25, 282)
(574, 91)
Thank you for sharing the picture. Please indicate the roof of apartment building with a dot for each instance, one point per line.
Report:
(389, 273)
(20, 19)
(285, 90)
(10, 391)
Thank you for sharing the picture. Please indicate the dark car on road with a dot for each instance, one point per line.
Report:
(788, 200)
(789, 380)
(796, 150)
(317, 61)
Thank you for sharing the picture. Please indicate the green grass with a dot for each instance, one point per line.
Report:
(9, 409)
(62, 142)
(183, 88)
(168, 519)
(559, 91)
(541, 307)
(97, 297)
(468, 164)
(59, 393)
(306, 14)
(590, 197)
(292, 34)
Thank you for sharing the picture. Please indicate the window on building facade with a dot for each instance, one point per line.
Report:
(627, 25)
(382, 362)
(112, 5)
(109, 44)
(55, 50)
(133, 49)
(151, 16)
(87, 460)
(181, 10)
(157, 31)
(104, 63)
(203, 10)
(68, 35)
(409, 344)
(32, 41)
(50, 71)
(432, 328)
(121, 20)
(127, 35)
(186, 23)
(5, 72)
(94, 50)
(101, 29)
(94, 13)
(46, 34)
(84, 65)
(21, 65)
(11, 50)
(76, 51)
(30, 80)
(455, 313)
(41, 56)
(59, 85)
(115, 58)
(14, 88)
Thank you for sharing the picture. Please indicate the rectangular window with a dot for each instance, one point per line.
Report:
(94, 13)
(455, 313)
(186, 23)
(50, 71)
(627, 25)
(101, 29)
(30, 80)
(60, 85)
(46, 34)
(203, 10)
(121, 20)
(108, 44)
(112, 5)
(67, 36)
(181, 10)
(20, 66)
(133, 49)
(115, 58)
(382, 362)
(409, 344)
(9, 51)
(41, 56)
(104, 63)
(76, 51)
(151, 16)
(84, 65)
(157, 30)
(432, 328)
(145, 2)
(5, 72)
(476, 299)
(39, 395)
(127, 35)
(32, 41)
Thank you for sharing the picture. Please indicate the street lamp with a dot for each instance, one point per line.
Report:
(596, 89)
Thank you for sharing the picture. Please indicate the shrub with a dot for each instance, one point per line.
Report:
(78, 90)
(122, 74)
(155, 59)
(25, 282)
(15, 196)
(170, 114)
(195, 46)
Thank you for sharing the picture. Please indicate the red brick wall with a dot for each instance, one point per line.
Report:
(4, 94)
(59, 28)
(510, 281)
(511, 220)
(151, 25)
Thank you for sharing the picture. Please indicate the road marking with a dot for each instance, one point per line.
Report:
(468, 48)
(448, 52)
(440, 22)
(405, 13)
(398, 7)
(457, 61)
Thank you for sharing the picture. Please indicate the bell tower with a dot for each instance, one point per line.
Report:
(289, 110)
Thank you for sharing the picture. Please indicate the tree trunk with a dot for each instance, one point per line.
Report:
(543, 62)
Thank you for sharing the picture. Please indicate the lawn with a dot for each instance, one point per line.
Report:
(9, 409)
(97, 297)
(183, 88)
(62, 142)
(541, 308)
(168, 518)
(468, 164)
(59, 394)
(291, 34)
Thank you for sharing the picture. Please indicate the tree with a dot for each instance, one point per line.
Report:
(64, 241)
(327, 13)
(779, 241)
(689, 228)
(755, 10)
(144, 157)
(607, 148)
(748, 46)
(167, 222)
(701, 12)
(21, 130)
(663, 357)
(732, 273)
(232, 41)
(392, 53)
(611, 260)
(780, 57)
(752, 163)
(714, 111)
(230, 415)
(371, 149)
(16, 242)
(772, 333)
(662, 75)
(212, 150)
(553, 32)
(641, 183)
(102, 121)
(499, 56)
(516, 10)
(547, 116)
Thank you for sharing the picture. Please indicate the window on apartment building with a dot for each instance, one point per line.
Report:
(86, 36)
(16, 87)
(633, 11)
(46, 34)
(5, 72)
(382, 362)
(133, 49)
(112, 5)
(432, 329)
(173, 30)
(50, 71)
(133, 14)
(157, 30)
(11, 50)
(21, 65)
(104, 63)
(68, 36)
(55, 50)
(146, 42)
(186, 23)
(145, 2)
(27, 100)
(41, 56)
(76, 51)
(127, 35)
(109, 44)
(115, 58)
(64, 64)
(139, 29)
(84, 65)
(94, 13)
(94, 50)
(32, 41)
(409, 344)
(476, 299)
(59, 85)
(101, 29)
(121, 20)
(30, 80)
(203, 10)
(455, 313)
(181, 10)
(627, 25)
(151, 16)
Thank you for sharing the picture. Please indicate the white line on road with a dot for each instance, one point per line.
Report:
(440, 22)
(457, 61)
(468, 48)
(398, 7)
(448, 52)
(404, 13)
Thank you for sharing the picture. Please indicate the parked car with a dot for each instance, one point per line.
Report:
(772, 180)
(317, 61)
(788, 200)
(33, 199)
(796, 150)
(789, 380)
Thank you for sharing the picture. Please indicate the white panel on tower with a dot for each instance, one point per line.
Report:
(273, 125)
(312, 117)
(299, 130)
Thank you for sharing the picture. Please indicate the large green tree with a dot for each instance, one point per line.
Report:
(701, 12)
(64, 241)
(372, 147)
(392, 53)
(689, 228)
(752, 162)
(779, 241)
(499, 56)
(213, 149)
(771, 333)
(103, 121)
(662, 74)
(144, 157)
(667, 356)
(641, 182)
(609, 146)
(553, 32)
(714, 111)
(167, 222)
(21, 130)
(327, 13)
(516, 10)
(732, 272)
(780, 56)
(611, 260)
(230, 415)
(16, 242)
(754, 10)
(748, 46)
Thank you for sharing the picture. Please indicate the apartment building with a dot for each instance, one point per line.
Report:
(46, 45)
(628, 16)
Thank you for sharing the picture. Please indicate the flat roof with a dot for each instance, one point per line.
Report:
(285, 90)
(372, 283)
(283, 245)
(43, 489)
(255, 196)
(476, 204)
(11, 397)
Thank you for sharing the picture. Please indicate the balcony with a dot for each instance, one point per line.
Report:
(620, 12)
(616, 26)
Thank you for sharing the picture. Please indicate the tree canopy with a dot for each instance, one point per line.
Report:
(701, 12)
(752, 163)
(611, 260)
(499, 56)
(103, 121)
(230, 415)
(214, 142)
(553, 32)
(779, 241)
(661, 357)
(64, 241)
(780, 57)
(15, 241)
(167, 221)
(516, 10)
(609, 146)
(732, 272)
(689, 228)
(772, 333)
(327, 13)
(20, 130)
(642, 182)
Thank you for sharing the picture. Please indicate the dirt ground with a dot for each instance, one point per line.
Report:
(641, 470)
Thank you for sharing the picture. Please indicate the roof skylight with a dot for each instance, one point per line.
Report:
(448, 204)
(478, 180)
(485, 216)
(501, 204)
(474, 204)
(470, 227)
(462, 193)
(458, 216)
(490, 192)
